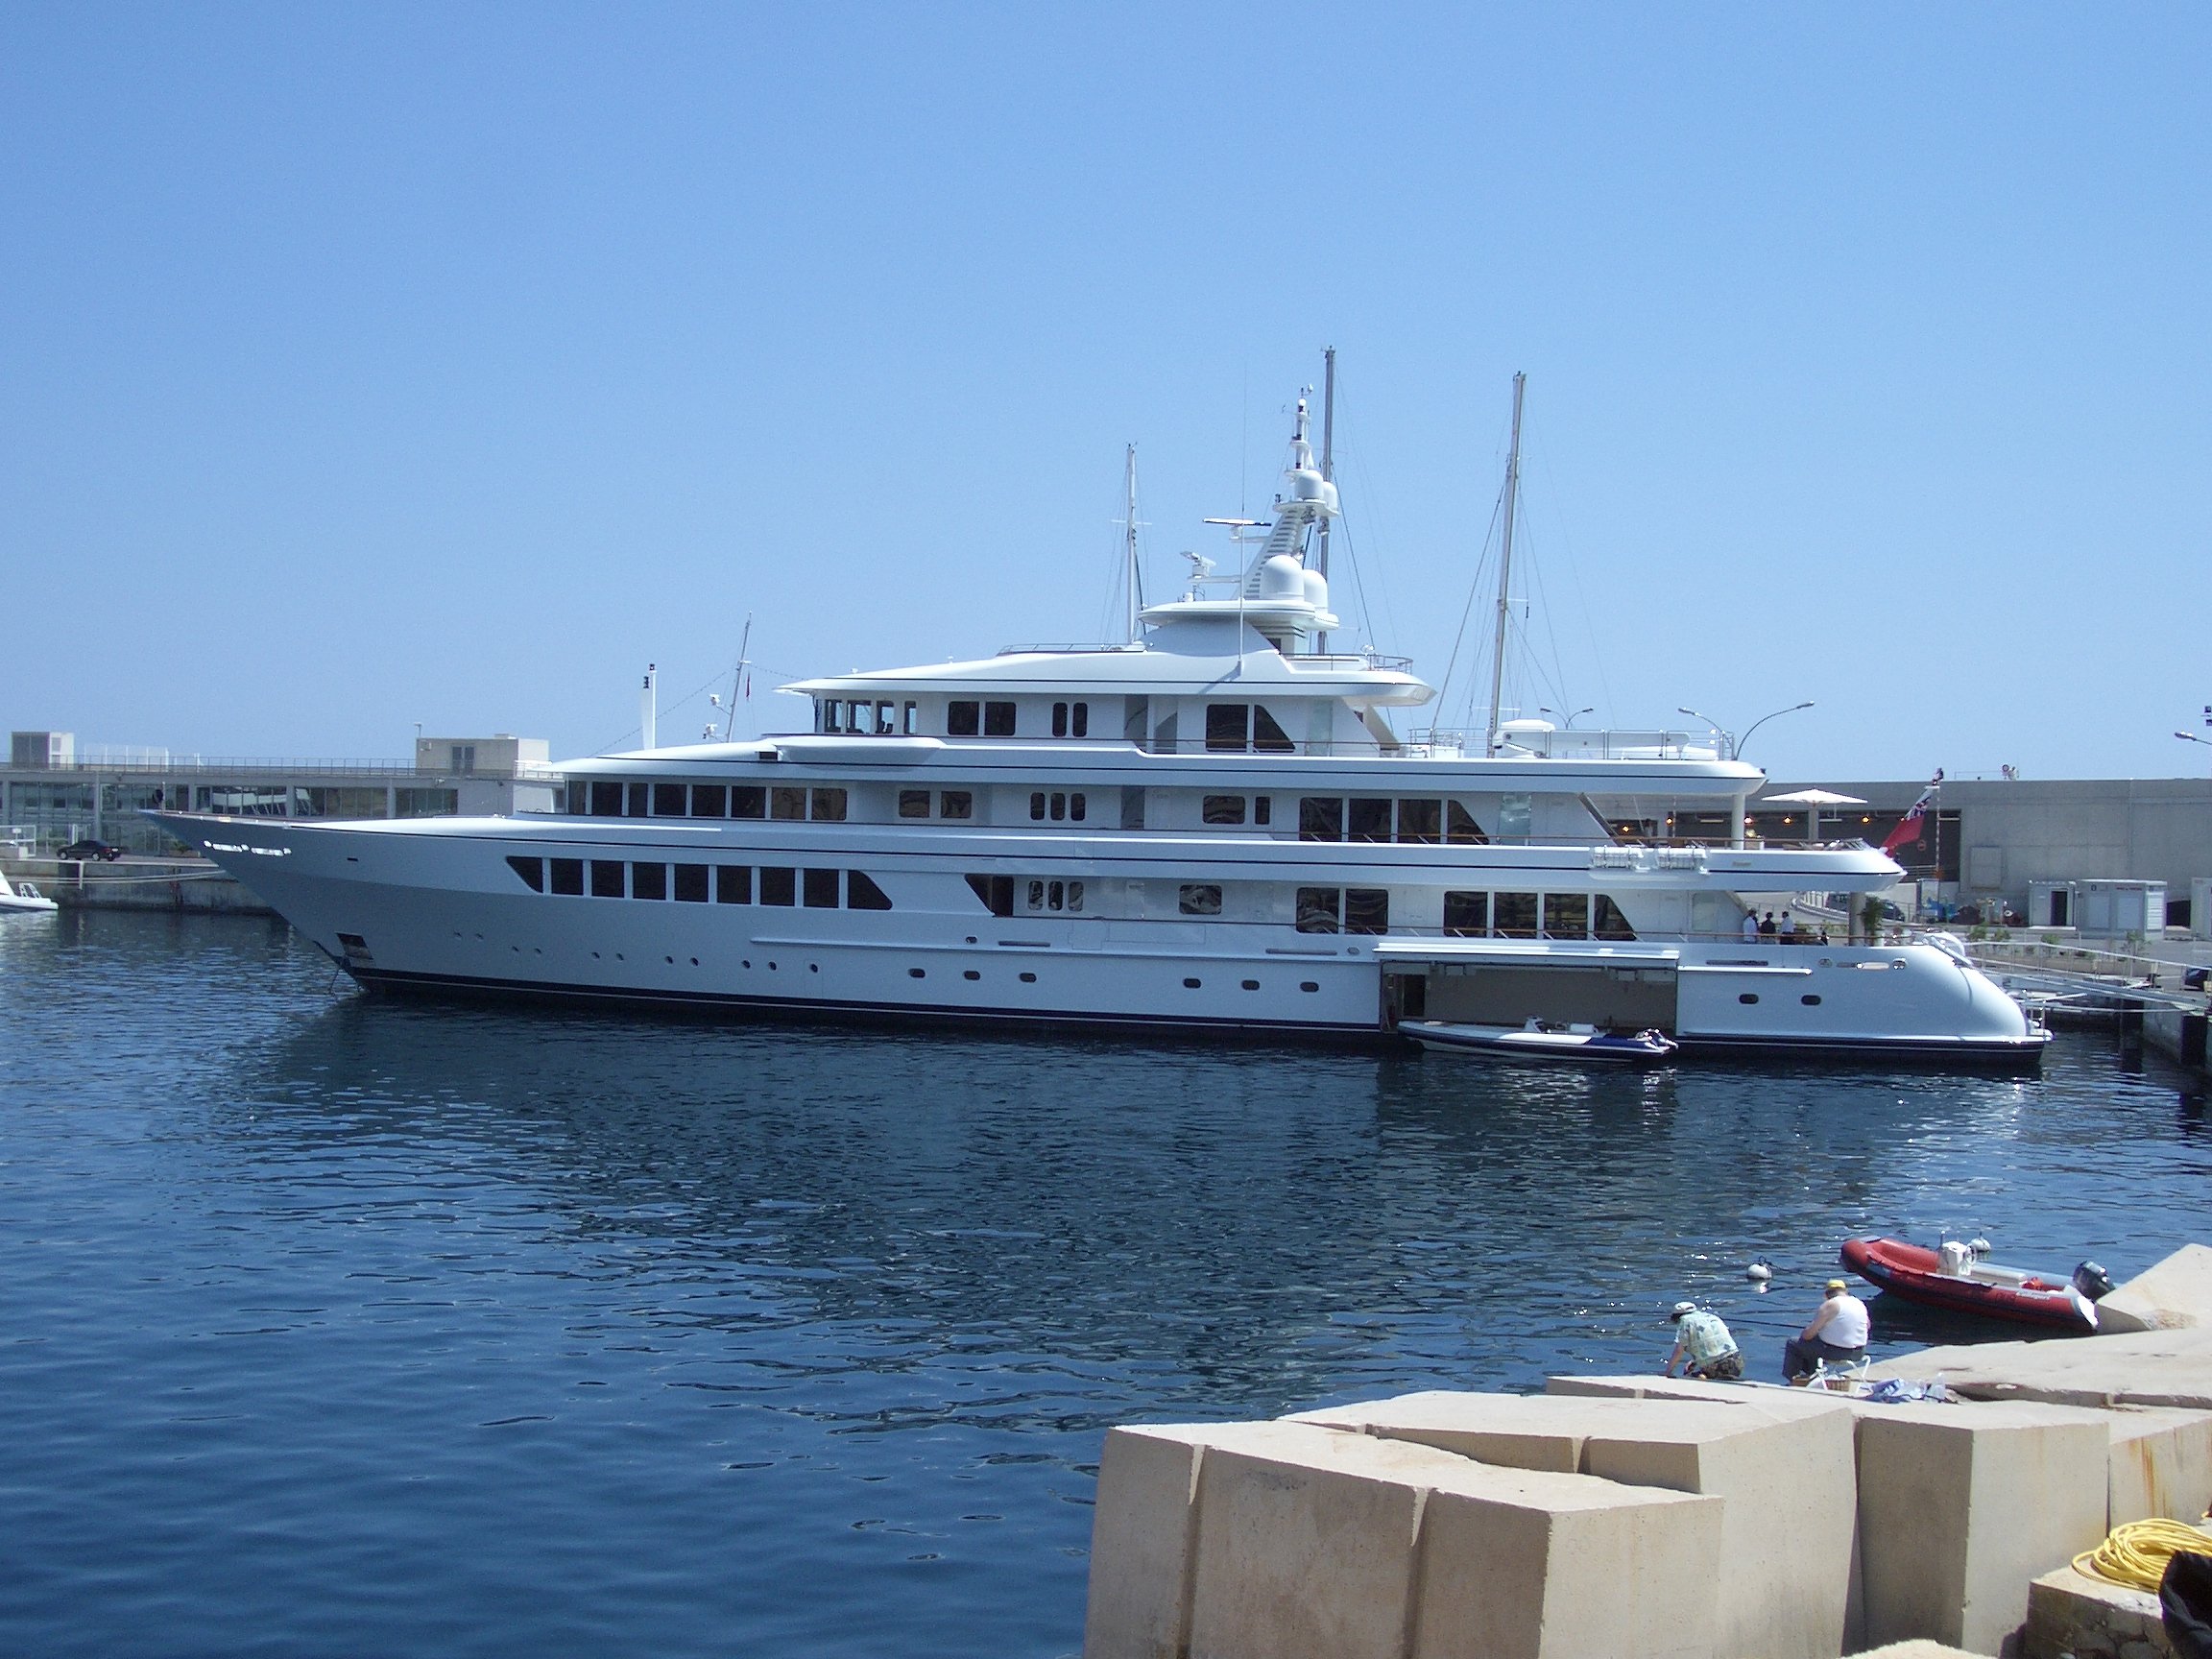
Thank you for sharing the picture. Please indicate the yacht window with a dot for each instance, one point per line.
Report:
(1198, 899)
(1369, 819)
(856, 718)
(784, 803)
(961, 719)
(606, 879)
(1059, 808)
(778, 886)
(709, 800)
(1132, 808)
(1077, 807)
(995, 892)
(1319, 907)
(829, 806)
(886, 719)
(1269, 737)
(1321, 818)
(531, 869)
(692, 884)
(821, 889)
(1059, 719)
(1607, 922)
(748, 801)
(862, 893)
(997, 719)
(648, 881)
(733, 884)
(568, 875)
(910, 718)
(1366, 910)
(1263, 808)
(1221, 810)
(956, 803)
(1074, 895)
(1036, 895)
(1037, 805)
(1466, 915)
(1459, 827)
(1228, 726)
(606, 799)
(832, 717)
(913, 803)
(637, 798)
(1514, 815)
(576, 798)
(1079, 720)
(671, 801)
(1567, 915)
(1421, 821)
(1514, 915)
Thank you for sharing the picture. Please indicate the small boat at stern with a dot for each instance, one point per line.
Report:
(1954, 1276)
(1538, 1040)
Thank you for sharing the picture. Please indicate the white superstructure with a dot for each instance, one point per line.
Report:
(1214, 826)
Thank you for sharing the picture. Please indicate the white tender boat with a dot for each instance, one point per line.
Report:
(1211, 825)
(21, 901)
(1538, 1041)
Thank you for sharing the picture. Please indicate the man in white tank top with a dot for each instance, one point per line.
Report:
(1836, 1335)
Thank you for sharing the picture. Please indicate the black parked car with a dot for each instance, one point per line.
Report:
(77, 851)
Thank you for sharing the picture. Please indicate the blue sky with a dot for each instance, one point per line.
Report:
(373, 365)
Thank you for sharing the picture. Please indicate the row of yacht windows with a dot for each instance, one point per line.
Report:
(616, 799)
(1231, 728)
(1381, 818)
(1534, 916)
(877, 719)
(702, 883)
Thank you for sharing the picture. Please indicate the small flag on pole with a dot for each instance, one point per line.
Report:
(1910, 826)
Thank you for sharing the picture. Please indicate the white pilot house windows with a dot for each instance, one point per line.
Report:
(875, 717)
(702, 883)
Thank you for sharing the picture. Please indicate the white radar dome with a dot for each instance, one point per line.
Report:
(1316, 589)
(1281, 577)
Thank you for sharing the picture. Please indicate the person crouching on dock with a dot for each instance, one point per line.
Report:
(1703, 1340)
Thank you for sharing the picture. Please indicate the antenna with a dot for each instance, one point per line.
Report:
(648, 708)
(1505, 570)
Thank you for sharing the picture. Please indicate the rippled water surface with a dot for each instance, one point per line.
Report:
(335, 1325)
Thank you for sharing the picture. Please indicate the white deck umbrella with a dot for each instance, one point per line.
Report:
(1815, 799)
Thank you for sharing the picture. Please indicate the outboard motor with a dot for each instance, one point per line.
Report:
(2091, 1280)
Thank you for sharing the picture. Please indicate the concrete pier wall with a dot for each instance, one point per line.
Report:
(1817, 1524)
(190, 884)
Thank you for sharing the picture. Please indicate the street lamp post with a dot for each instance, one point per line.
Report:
(1761, 721)
(1712, 723)
(1568, 720)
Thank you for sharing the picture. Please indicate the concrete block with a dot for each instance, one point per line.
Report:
(2161, 1464)
(1143, 1532)
(2166, 1368)
(1773, 1399)
(1317, 1542)
(2074, 1615)
(1961, 1506)
(1786, 1478)
(2174, 1294)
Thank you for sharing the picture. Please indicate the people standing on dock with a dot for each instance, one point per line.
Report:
(1702, 1339)
(1837, 1334)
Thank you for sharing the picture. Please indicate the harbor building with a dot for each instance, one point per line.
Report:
(50, 793)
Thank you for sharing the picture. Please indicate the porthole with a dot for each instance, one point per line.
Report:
(1748, 996)
(970, 973)
(746, 963)
(1308, 985)
(670, 960)
(916, 974)
(1189, 984)
(1028, 978)
(694, 961)
(1810, 1002)
(813, 967)
(1251, 984)
(771, 967)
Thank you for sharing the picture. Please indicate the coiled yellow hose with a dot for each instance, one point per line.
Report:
(2136, 1553)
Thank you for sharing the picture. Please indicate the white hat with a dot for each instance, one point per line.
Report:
(1682, 1308)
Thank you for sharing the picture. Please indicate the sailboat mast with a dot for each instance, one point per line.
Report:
(1328, 463)
(1505, 571)
(1132, 581)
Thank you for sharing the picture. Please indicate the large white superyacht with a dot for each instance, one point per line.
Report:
(1212, 826)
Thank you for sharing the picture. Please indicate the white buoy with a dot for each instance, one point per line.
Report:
(1760, 1270)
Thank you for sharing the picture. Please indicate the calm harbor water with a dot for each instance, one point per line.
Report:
(334, 1325)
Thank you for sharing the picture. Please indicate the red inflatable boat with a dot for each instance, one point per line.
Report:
(1959, 1280)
